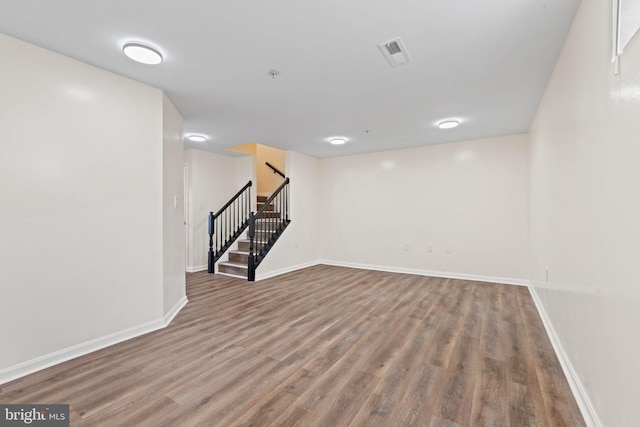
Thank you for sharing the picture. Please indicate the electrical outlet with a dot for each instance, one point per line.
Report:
(448, 250)
(406, 247)
(429, 248)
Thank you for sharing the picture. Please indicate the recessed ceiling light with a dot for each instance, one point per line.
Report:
(449, 124)
(143, 53)
(338, 141)
(197, 138)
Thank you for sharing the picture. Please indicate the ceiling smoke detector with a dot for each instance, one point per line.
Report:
(395, 52)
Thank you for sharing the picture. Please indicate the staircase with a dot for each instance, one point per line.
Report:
(238, 264)
(269, 224)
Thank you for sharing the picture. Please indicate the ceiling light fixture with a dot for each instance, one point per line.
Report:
(143, 53)
(338, 141)
(448, 124)
(197, 138)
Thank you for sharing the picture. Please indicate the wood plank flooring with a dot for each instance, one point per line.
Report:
(323, 346)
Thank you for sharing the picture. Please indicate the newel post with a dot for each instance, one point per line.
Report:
(211, 266)
(251, 274)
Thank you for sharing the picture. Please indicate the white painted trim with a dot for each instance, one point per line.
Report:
(582, 398)
(444, 274)
(34, 365)
(197, 268)
(237, 276)
(169, 315)
(280, 271)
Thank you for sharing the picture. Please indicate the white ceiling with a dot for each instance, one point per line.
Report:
(485, 63)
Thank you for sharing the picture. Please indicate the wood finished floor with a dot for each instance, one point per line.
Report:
(323, 346)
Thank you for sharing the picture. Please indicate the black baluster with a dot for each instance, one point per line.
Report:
(281, 208)
(276, 208)
(251, 274)
(286, 201)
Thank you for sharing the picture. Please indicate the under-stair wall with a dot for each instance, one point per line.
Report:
(298, 246)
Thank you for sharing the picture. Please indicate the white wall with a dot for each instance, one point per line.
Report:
(267, 180)
(173, 236)
(81, 209)
(468, 197)
(213, 180)
(299, 244)
(585, 213)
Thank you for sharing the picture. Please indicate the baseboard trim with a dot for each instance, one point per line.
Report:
(280, 271)
(197, 268)
(173, 312)
(235, 276)
(418, 272)
(586, 408)
(34, 365)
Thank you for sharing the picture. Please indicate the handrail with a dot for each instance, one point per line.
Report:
(226, 225)
(272, 198)
(217, 214)
(275, 169)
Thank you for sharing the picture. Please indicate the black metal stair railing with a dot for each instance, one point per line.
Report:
(226, 225)
(266, 226)
(275, 169)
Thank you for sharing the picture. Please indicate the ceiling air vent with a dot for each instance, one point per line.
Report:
(395, 52)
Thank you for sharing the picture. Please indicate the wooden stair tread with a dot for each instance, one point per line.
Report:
(233, 264)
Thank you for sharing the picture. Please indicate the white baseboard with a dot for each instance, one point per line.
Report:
(231, 275)
(586, 408)
(278, 272)
(169, 315)
(197, 268)
(25, 368)
(444, 274)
